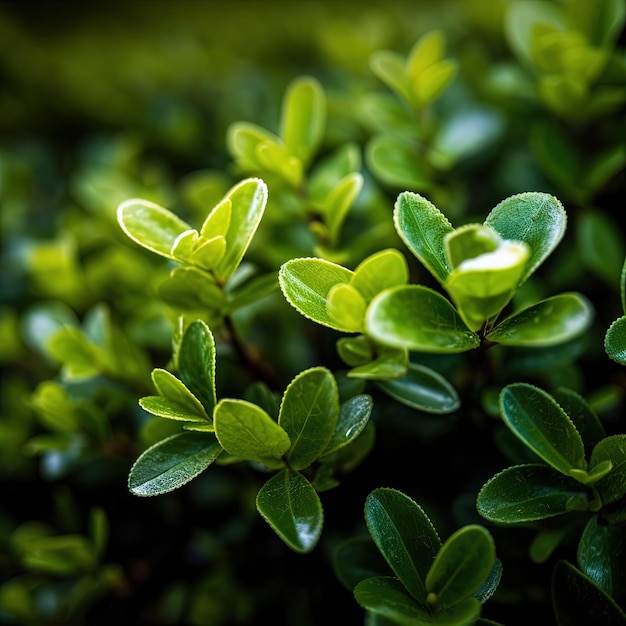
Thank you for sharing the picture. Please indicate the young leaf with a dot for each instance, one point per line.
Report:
(305, 283)
(308, 414)
(170, 409)
(172, 462)
(196, 363)
(303, 117)
(247, 431)
(613, 486)
(431, 82)
(243, 140)
(525, 493)
(346, 306)
(390, 363)
(536, 419)
(418, 318)
(382, 270)
(151, 225)
(404, 535)
(339, 200)
(423, 228)
(426, 51)
(423, 389)
(173, 389)
(461, 567)
(290, 505)
(537, 219)
(389, 67)
(218, 220)
(578, 600)
(248, 199)
(353, 416)
(551, 321)
(396, 163)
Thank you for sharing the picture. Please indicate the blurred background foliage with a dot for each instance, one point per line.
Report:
(100, 102)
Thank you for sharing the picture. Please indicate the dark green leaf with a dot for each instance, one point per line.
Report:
(418, 318)
(524, 493)
(385, 595)
(490, 585)
(308, 414)
(578, 600)
(613, 449)
(356, 559)
(536, 418)
(461, 567)
(423, 389)
(404, 535)
(583, 417)
(290, 505)
(171, 463)
(196, 363)
(615, 341)
(353, 416)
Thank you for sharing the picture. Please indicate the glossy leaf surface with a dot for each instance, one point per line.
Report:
(613, 449)
(174, 389)
(615, 341)
(382, 270)
(418, 318)
(171, 463)
(353, 417)
(404, 535)
(291, 506)
(535, 418)
(524, 493)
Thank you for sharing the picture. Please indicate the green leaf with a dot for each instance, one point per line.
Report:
(601, 553)
(536, 419)
(303, 117)
(489, 586)
(290, 505)
(173, 389)
(169, 409)
(427, 51)
(525, 493)
(308, 414)
(336, 204)
(61, 555)
(396, 163)
(615, 341)
(382, 270)
(252, 291)
(346, 306)
(356, 559)
(385, 596)
(578, 600)
(549, 322)
(613, 486)
(353, 416)
(151, 225)
(431, 83)
(218, 220)
(247, 431)
(305, 283)
(423, 228)
(248, 199)
(584, 418)
(171, 463)
(461, 567)
(389, 363)
(243, 140)
(423, 389)
(404, 535)
(534, 218)
(418, 318)
(389, 67)
(192, 289)
(196, 363)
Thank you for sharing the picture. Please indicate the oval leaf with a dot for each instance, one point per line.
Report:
(150, 225)
(423, 227)
(535, 218)
(461, 566)
(613, 486)
(418, 318)
(308, 414)
(382, 270)
(247, 431)
(525, 493)
(536, 419)
(423, 389)
(169, 409)
(615, 341)
(386, 596)
(353, 416)
(551, 321)
(172, 462)
(404, 535)
(305, 283)
(396, 162)
(196, 363)
(291, 506)
(173, 389)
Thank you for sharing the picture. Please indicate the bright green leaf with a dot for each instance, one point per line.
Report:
(381, 270)
(243, 139)
(461, 566)
(397, 163)
(423, 389)
(151, 225)
(346, 306)
(525, 493)
(404, 535)
(534, 218)
(336, 204)
(171, 463)
(418, 318)
(169, 409)
(389, 67)
(290, 505)
(535, 418)
(174, 389)
(305, 283)
(209, 252)
(196, 363)
(218, 220)
(431, 83)
(184, 245)
(190, 288)
(426, 51)
(423, 228)
(549, 322)
(308, 414)
(390, 363)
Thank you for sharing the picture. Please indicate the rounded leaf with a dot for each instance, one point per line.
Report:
(353, 417)
(615, 341)
(613, 449)
(171, 463)
(418, 318)
(382, 270)
(551, 321)
(291, 506)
